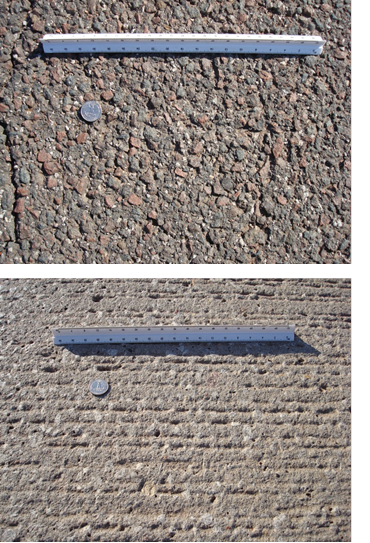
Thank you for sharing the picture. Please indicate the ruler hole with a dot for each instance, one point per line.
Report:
(94, 48)
(97, 340)
(85, 339)
(187, 338)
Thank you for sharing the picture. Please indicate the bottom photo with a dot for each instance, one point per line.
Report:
(175, 409)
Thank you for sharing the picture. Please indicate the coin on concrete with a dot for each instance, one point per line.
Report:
(91, 111)
(98, 387)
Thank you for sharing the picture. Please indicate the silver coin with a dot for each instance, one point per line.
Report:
(98, 387)
(91, 111)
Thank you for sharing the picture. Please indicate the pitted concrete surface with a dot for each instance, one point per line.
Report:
(193, 442)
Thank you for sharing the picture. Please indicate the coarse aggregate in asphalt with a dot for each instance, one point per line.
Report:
(193, 441)
(196, 159)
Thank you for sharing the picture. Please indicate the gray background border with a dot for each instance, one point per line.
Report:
(176, 270)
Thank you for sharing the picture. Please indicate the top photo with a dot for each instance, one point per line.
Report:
(175, 132)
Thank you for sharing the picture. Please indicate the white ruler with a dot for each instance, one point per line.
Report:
(183, 43)
(172, 334)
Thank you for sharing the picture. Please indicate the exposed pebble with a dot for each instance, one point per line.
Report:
(134, 200)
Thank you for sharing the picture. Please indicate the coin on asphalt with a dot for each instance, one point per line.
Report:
(98, 387)
(91, 111)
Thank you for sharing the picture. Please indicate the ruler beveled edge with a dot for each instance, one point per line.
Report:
(173, 326)
(174, 37)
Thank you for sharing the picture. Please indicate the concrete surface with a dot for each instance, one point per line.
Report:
(199, 442)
